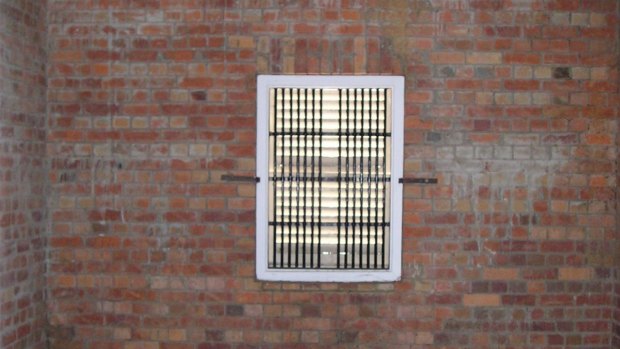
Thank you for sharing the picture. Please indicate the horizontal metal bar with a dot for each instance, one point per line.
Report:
(329, 179)
(236, 178)
(328, 133)
(325, 224)
(319, 267)
(418, 180)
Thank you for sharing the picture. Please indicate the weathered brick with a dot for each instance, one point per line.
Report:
(481, 300)
(501, 274)
(447, 58)
(575, 273)
(484, 58)
(522, 58)
(23, 241)
(521, 224)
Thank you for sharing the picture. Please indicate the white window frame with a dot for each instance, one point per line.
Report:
(264, 84)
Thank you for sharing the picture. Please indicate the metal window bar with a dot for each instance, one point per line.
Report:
(329, 177)
(346, 196)
(362, 176)
(376, 247)
(319, 249)
(289, 255)
(312, 155)
(276, 165)
(354, 205)
(282, 166)
(297, 185)
(339, 178)
(384, 175)
(305, 183)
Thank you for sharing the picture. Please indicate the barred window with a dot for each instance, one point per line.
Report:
(329, 156)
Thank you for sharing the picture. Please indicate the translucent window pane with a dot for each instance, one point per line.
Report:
(329, 178)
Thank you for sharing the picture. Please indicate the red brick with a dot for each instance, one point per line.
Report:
(575, 273)
(420, 97)
(493, 5)
(562, 5)
(102, 55)
(156, 243)
(522, 58)
(185, 55)
(484, 137)
(501, 274)
(66, 241)
(503, 31)
(602, 5)
(481, 300)
(464, 84)
(197, 83)
(142, 56)
(104, 242)
(522, 85)
(447, 58)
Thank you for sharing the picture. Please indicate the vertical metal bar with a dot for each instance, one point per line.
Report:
(361, 177)
(368, 178)
(297, 172)
(274, 218)
(376, 136)
(290, 180)
(339, 217)
(318, 255)
(347, 194)
(384, 176)
(353, 177)
(305, 177)
(283, 193)
(313, 173)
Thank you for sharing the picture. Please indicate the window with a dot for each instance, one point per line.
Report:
(329, 157)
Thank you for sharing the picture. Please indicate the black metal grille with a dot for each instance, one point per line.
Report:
(329, 178)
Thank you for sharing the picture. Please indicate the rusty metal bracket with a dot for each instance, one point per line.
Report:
(417, 180)
(237, 178)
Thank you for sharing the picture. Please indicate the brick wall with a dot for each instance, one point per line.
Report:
(22, 173)
(616, 310)
(616, 303)
(510, 104)
(616, 307)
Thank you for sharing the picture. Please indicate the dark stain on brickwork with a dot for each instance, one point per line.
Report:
(61, 337)
(347, 337)
(199, 95)
(433, 137)
(234, 310)
(561, 73)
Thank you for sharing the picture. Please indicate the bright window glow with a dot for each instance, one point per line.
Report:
(329, 159)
